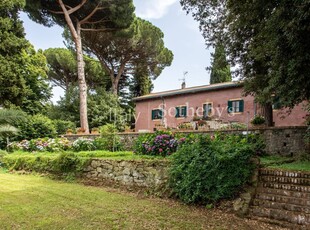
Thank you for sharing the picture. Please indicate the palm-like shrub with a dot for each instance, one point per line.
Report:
(7, 118)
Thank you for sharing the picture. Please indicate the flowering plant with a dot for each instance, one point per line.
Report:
(83, 144)
(41, 144)
(160, 143)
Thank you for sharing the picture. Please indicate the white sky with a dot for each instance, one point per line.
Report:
(182, 36)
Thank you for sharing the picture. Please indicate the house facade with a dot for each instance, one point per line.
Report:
(223, 103)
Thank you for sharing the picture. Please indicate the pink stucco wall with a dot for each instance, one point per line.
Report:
(195, 101)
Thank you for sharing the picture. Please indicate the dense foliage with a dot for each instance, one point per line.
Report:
(60, 164)
(220, 68)
(209, 169)
(37, 126)
(158, 144)
(267, 42)
(137, 50)
(41, 145)
(22, 70)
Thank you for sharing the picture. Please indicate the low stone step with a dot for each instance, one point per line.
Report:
(283, 199)
(285, 180)
(281, 206)
(290, 187)
(283, 224)
(282, 215)
(283, 192)
(277, 172)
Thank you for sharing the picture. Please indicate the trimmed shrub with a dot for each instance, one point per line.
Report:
(210, 169)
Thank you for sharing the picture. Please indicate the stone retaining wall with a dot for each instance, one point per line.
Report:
(143, 174)
(285, 141)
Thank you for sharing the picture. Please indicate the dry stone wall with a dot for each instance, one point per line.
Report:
(131, 173)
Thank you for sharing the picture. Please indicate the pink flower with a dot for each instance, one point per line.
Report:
(160, 150)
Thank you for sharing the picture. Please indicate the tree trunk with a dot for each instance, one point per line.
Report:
(76, 35)
(82, 82)
(268, 114)
(115, 87)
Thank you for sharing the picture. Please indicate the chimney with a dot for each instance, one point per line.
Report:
(183, 85)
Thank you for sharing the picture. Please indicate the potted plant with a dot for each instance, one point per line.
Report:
(69, 132)
(185, 126)
(258, 121)
(80, 131)
(95, 131)
(202, 125)
(159, 126)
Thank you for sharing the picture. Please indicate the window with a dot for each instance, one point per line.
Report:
(181, 111)
(235, 106)
(207, 109)
(157, 114)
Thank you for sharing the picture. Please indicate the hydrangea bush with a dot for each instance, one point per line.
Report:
(160, 143)
(41, 145)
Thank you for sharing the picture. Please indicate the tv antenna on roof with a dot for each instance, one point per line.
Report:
(184, 76)
(183, 79)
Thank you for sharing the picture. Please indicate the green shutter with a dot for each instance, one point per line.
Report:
(184, 111)
(160, 113)
(153, 114)
(241, 106)
(177, 111)
(229, 106)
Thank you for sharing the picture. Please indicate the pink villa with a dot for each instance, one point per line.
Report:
(221, 103)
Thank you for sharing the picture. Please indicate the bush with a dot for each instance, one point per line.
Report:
(83, 144)
(41, 145)
(258, 120)
(60, 164)
(208, 170)
(109, 139)
(2, 154)
(161, 143)
(37, 126)
(62, 126)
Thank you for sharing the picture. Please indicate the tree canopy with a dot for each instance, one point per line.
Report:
(22, 70)
(267, 41)
(141, 46)
(62, 69)
(78, 16)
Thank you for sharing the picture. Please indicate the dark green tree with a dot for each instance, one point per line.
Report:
(22, 70)
(104, 108)
(121, 53)
(78, 16)
(267, 41)
(62, 69)
(220, 68)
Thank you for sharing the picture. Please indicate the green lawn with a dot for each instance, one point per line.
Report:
(285, 163)
(122, 155)
(33, 202)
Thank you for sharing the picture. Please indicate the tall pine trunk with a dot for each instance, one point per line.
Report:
(76, 35)
(82, 82)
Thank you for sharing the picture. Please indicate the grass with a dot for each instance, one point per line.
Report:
(285, 163)
(122, 155)
(294, 166)
(32, 202)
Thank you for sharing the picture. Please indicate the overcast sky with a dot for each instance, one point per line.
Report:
(182, 36)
